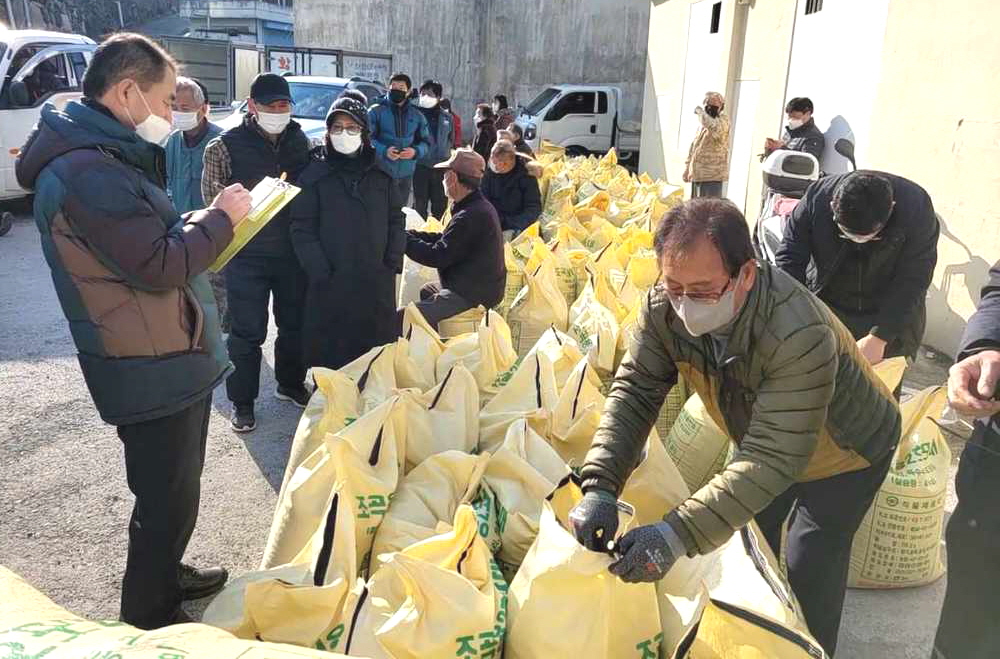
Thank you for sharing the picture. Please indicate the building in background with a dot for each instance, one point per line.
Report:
(94, 18)
(266, 22)
(478, 48)
(907, 81)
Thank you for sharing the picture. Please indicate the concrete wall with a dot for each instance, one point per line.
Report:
(907, 80)
(477, 48)
(937, 121)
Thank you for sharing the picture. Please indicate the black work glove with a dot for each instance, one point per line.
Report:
(647, 553)
(595, 520)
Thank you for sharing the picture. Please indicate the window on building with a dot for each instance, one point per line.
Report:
(716, 18)
(813, 6)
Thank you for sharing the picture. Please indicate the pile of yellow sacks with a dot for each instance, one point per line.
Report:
(424, 509)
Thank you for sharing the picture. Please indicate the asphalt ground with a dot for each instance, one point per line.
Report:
(64, 503)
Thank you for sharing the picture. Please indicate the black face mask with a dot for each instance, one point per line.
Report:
(712, 110)
(397, 96)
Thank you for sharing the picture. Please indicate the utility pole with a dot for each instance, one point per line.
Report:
(121, 17)
(27, 12)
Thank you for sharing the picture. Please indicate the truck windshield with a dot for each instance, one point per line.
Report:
(313, 101)
(536, 106)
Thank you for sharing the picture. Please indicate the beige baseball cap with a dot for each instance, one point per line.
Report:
(465, 162)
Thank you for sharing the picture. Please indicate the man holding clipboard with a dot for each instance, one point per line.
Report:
(267, 144)
(129, 272)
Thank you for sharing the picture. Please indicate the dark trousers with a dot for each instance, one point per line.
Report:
(428, 189)
(706, 189)
(403, 187)
(825, 514)
(969, 626)
(436, 304)
(250, 282)
(163, 462)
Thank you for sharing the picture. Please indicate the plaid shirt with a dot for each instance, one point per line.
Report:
(218, 165)
(218, 169)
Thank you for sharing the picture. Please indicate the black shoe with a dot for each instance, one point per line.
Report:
(243, 418)
(298, 395)
(197, 583)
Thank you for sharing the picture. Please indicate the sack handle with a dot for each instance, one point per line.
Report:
(376, 448)
(354, 618)
(363, 380)
(444, 385)
(329, 528)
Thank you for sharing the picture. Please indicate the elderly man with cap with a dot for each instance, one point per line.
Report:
(707, 165)
(267, 143)
(469, 254)
(512, 187)
(347, 230)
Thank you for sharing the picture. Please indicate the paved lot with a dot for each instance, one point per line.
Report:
(64, 503)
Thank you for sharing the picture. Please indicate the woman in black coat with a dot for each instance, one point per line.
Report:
(348, 232)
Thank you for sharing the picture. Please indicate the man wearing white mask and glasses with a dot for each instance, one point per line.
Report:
(814, 427)
(129, 273)
(866, 244)
(267, 143)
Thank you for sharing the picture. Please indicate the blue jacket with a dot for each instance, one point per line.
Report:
(383, 120)
(127, 267)
(184, 167)
(439, 149)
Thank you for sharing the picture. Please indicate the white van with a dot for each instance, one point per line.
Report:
(36, 67)
(585, 119)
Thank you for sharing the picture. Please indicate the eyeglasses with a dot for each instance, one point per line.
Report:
(699, 297)
(337, 129)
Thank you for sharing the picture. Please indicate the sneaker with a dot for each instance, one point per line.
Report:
(197, 583)
(243, 419)
(298, 395)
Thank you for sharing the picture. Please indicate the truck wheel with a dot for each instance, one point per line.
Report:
(575, 150)
(6, 222)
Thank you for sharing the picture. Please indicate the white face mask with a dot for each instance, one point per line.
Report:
(186, 120)
(795, 123)
(344, 143)
(153, 128)
(857, 237)
(703, 318)
(273, 122)
(427, 101)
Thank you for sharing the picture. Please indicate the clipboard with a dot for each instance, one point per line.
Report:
(267, 199)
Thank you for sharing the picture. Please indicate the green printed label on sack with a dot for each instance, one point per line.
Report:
(372, 505)
(650, 649)
(484, 505)
(69, 632)
(332, 640)
(582, 337)
(502, 379)
(488, 644)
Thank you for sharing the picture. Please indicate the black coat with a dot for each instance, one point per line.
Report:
(486, 137)
(877, 287)
(515, 195)
(348, 233)
(807, 137)
(469, 254)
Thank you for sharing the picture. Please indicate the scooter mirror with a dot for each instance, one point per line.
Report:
(18, 95)
(845, 147)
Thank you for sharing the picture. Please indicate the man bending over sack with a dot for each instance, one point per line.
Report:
(469, 254)
(815, 428)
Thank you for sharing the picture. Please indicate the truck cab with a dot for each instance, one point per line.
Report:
(36, 67)
(585, 119)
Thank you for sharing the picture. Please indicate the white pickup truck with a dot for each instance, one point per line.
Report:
(36, 67)
(584, 119)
